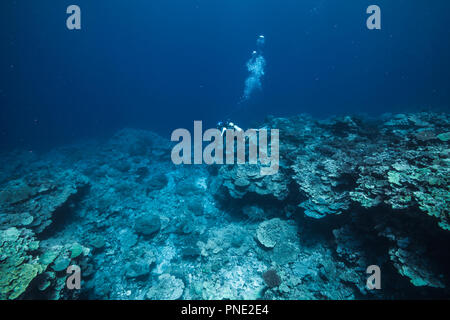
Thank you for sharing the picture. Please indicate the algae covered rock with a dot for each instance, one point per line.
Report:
(48, 257)
(76, 250)
(444, 136)
(140, 267)
(15, 192)
(157, 182)
(241, 179)
(324, 175)
(138, 143)
(148, 225)
(98, 242)
(167, 288)
(320, 208)
(33, 200)
(61, 264)
(275, 231)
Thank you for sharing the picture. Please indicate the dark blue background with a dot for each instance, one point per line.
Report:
(160, 64)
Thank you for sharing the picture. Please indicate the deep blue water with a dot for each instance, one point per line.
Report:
(161, 64)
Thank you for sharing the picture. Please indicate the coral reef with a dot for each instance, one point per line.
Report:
(350, 192)
(18, 266)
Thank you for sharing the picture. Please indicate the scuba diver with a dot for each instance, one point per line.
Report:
(227, 125)
(255, 67)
